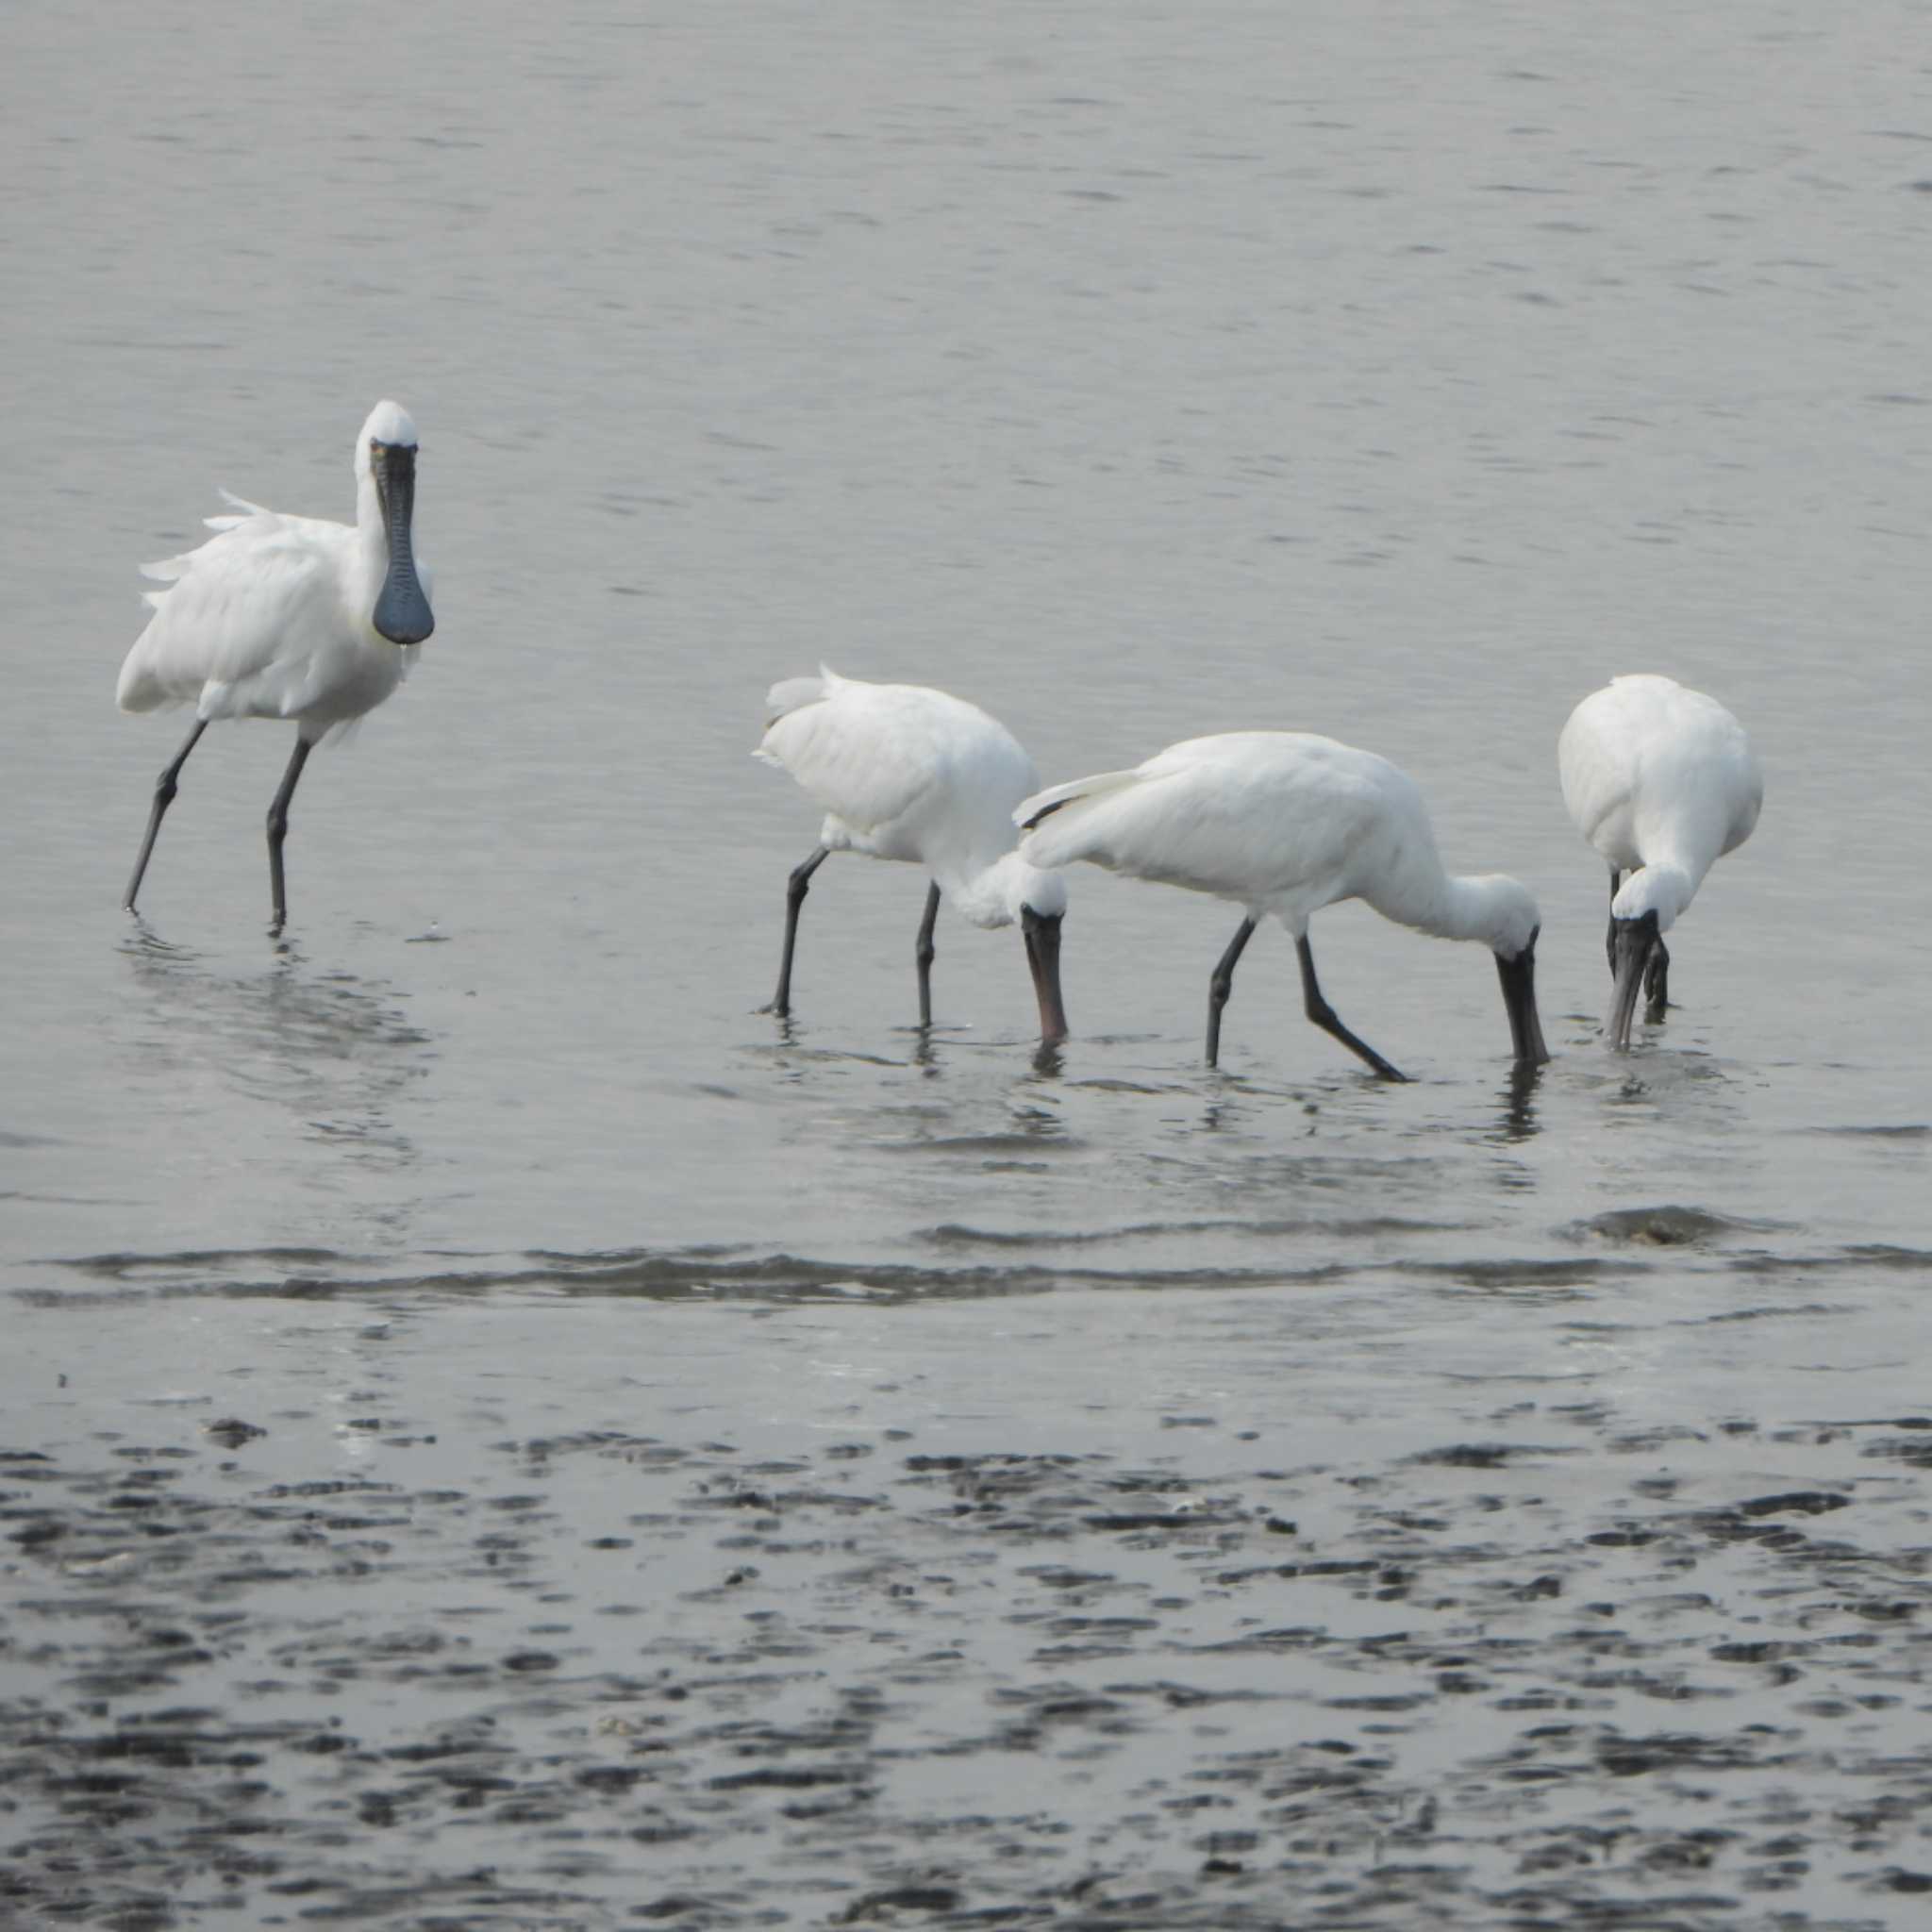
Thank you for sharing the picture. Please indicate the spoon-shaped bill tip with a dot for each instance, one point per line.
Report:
(402, 610)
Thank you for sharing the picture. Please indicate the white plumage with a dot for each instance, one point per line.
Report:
(1662, 782)
(907, 772)
(290, 617)
(1286, 823)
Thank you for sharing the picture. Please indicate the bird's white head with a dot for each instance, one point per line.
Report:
(1004, 890)
(1507, 915)
(388, 425)
(1664, 889)
(1012, 886)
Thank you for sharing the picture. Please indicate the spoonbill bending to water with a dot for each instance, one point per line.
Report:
(286, 617)
(902, 772)
(1663, 782)
(1286, 823)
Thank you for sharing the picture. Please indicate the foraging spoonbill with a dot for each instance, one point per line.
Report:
(1663, 781)
(1285, 822)
(902, 772)
(286, 617)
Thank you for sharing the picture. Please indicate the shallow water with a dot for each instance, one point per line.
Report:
(496, 1431)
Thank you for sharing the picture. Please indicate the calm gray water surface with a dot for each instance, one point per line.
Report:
(1398, 373)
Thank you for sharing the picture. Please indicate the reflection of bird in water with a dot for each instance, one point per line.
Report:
(331, 1050)
(902, 772)
(1663, 781)
(1518, 1121)
(1286, 823)
(286, 617)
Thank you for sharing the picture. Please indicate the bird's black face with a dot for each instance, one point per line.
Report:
(1632, 942)
(402, 611)
(1519, 1001)
(1041, 932)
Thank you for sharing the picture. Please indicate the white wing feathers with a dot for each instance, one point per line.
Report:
(1650, 768)
(855, 753)
(246, 620)
(901, 771)
(1255, 817)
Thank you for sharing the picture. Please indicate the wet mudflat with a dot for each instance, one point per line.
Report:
(1089, 1610)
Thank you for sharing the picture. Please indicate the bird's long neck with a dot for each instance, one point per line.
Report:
(1455, 906)
(371, 545)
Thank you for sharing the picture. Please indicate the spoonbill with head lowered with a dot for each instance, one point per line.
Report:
(904, 771)
(1663, 781)
(287, 617)
(1284, 822)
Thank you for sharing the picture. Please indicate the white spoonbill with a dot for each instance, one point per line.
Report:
(287, 617)
(902, 772)
(1284, 822)
(1663, 782)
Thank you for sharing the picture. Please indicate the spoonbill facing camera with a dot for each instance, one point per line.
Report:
(286, 617)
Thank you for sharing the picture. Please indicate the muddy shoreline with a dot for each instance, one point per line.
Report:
(405, 1670)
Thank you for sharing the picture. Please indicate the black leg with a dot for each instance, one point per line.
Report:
(164, 798)
(1610, 938)
(923, 954)
(1220, 985)
(1657, 984)
(278, 830)
(796, 888)
(1324, 1015)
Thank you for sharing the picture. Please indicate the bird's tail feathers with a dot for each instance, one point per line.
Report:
(243, 510)
(793, 693)
(169, 569)
(1029, 811)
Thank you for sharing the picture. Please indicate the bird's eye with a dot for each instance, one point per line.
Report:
(374, 447)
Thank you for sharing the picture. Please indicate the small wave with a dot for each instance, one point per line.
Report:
(1856, 1254)
(1526, 1271)
(1118, 1086)
(952, 1234)
(1766, 1312)
(120, 1266)
(989, 1264)
(1881, 1255)
(709, 1274)
(1048, 1140)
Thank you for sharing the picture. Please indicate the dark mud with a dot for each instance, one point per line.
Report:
(414, 1675)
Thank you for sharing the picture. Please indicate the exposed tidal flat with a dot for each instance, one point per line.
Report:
(495, 1432)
